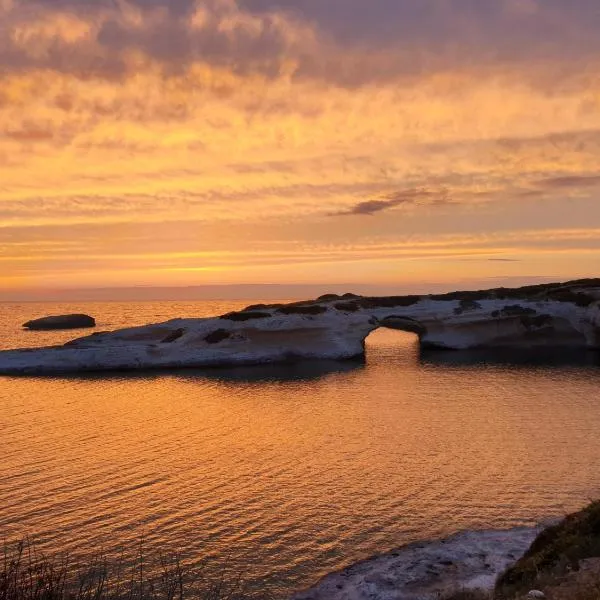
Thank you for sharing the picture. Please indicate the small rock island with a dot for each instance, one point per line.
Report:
(334, 327)
(77, 321)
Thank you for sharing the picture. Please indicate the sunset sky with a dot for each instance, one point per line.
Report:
(403, 143)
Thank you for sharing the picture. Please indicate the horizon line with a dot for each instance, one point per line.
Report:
(259, 291)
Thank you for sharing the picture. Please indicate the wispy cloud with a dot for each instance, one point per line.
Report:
(509, 260)
(392, 200)
(131, 257)
(571, 181)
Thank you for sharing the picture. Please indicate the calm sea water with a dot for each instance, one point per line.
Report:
(288, 473)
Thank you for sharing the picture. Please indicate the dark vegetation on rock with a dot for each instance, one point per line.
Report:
(576, 298)
(374, 303)
(259, 307)
(388, 301)
(563, 563)
(573, 292)
(173, 336)
(75, 321)
(332, 297)
(514, 310)
(96, 337)
(217, 336)
(556, 551)
(328, 298)
(472, 296)
(255, 307)
(528, 316)
(245, 316)
(466, 305)
(314, 309)
(347, 306)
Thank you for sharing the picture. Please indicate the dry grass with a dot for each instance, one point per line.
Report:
(557, 551)
(28, 574)
(563, 562)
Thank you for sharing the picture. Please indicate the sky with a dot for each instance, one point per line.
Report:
(404, 144)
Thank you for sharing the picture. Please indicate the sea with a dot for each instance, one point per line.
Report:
(282, 474)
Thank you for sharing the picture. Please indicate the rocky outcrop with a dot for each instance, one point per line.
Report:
(60, 322)
(557, 552)
(335, 327)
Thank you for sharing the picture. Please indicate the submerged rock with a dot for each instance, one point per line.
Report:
(560, 315)
(61, 322)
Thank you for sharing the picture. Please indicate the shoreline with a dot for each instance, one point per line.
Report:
(425, 570)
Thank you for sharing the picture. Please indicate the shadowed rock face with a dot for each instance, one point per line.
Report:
(245, 316)
(335, 328)
(404, 324)
(60, 322)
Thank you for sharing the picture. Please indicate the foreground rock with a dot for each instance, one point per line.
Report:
(61, 322)
(571, 546)
(560, 562)
(428, 571)
(334, 327)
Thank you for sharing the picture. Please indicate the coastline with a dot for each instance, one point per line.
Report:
(425, 570)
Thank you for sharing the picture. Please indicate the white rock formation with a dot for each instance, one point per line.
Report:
(333, 327)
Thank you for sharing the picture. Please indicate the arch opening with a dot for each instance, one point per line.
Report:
(396, 339)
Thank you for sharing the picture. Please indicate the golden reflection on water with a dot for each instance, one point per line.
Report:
(296, 471)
